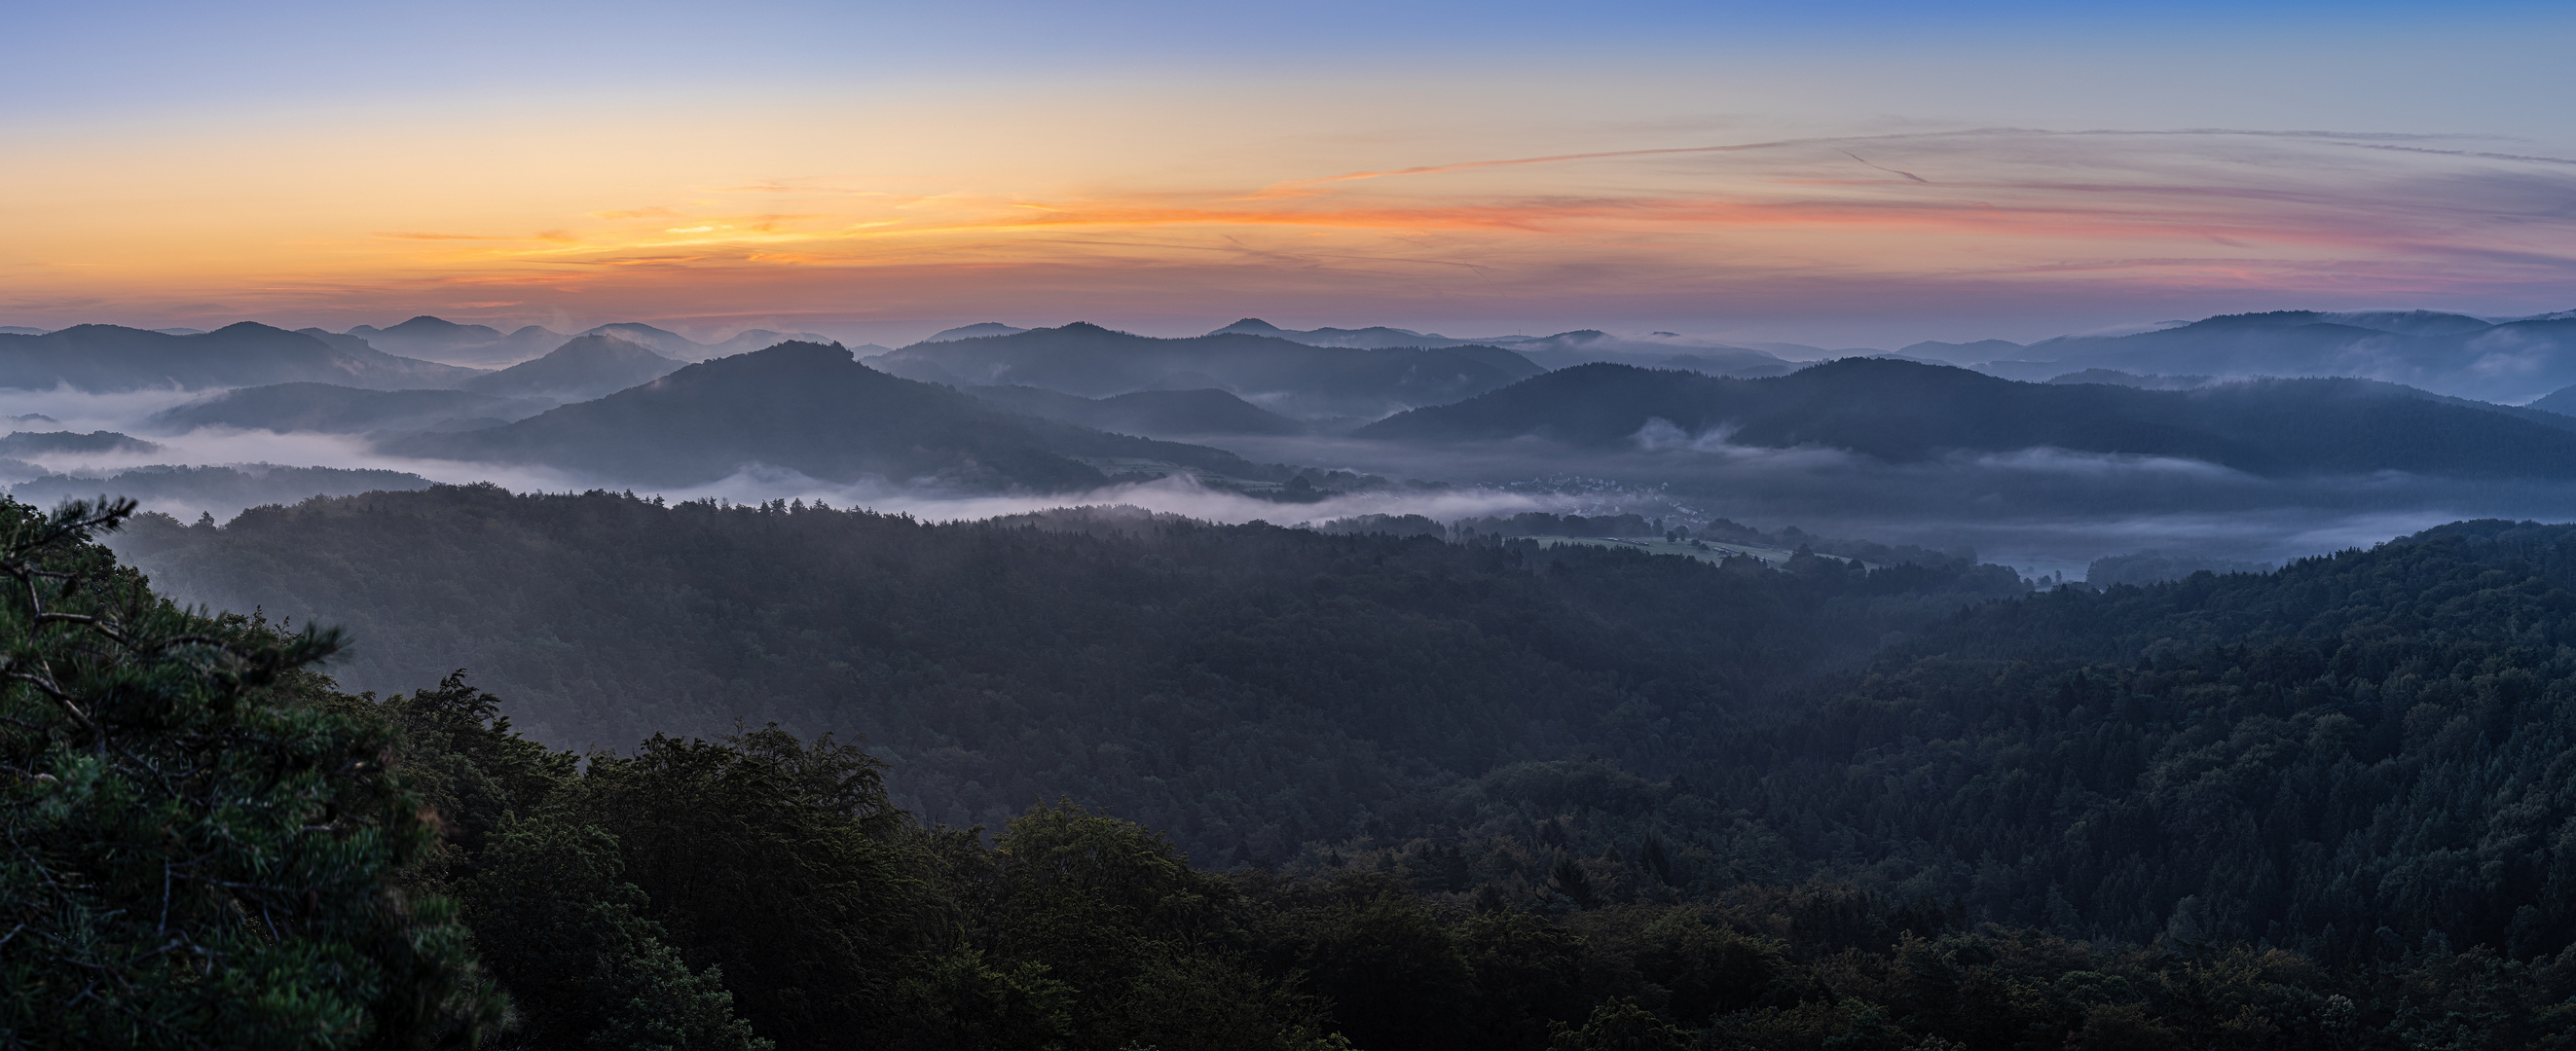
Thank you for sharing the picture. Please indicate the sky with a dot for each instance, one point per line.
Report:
(1841, 174)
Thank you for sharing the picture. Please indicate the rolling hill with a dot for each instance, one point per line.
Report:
(2445, 353)
(326, 409)
(1293, 379)
(439, 339)
(1151, 413)
(810, 408)
(111, 358)
(1562, 350)
(585, 367)
(1901, 411)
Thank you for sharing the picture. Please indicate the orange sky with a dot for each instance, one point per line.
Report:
(886, 216)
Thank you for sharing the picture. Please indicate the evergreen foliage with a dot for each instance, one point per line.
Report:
(2326, 807)
(198, 850)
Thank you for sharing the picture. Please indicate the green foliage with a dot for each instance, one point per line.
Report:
(198, 846)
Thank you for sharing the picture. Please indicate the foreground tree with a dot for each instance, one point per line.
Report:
(195, 844)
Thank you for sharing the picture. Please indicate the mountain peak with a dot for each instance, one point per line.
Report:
(425, 324)
(1250, 325)
(977, 330)
(796, 352)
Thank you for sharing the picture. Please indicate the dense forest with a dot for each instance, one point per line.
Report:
(211, 845)
(1247, 689)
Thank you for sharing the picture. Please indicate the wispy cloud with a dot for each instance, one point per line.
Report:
(2009, 214)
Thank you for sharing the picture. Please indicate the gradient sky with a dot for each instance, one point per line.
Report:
(1861, 173)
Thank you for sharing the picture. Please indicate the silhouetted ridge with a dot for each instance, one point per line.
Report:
(107, 358)
(1294, 379)
(809, 408)
(1153, 413)
(325, 408)
(584, 367)
(1904, 411)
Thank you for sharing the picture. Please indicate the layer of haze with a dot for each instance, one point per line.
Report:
(1847, 174)
(2041, 510)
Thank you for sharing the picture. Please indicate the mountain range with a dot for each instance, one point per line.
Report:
(112, 358)
(439, 339)
(584, 367)
(322, 408)
(2455, 354)
(1900, 411)
(810, 408)
(1151, 413)
(1292, 379)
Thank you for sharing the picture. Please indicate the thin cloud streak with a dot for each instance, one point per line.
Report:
(1779, 224)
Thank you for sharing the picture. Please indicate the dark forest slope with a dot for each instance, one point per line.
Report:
(1248, 688)
(1905, 411)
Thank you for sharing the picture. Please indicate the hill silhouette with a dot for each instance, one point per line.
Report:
(1151, 413)
(439, 339)
(584, 367)
(328, 409)
(40, 443)
(110, 358)
(810, 408)
(1291, 378)
(2445, 353)
(1902, 411)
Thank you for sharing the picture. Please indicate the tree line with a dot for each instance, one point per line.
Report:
(209, 844)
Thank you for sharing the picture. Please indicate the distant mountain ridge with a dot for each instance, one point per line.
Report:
(1901, 412)
(1149, 413)
(1293, 379)
(111, 358)
(584, 367)
(810, 408)
(484, 346)
(1562, 350)
(321, 408)
(2454, 354)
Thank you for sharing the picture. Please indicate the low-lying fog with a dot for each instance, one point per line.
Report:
(2039, 510)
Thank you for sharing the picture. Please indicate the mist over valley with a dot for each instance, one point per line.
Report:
(1669, 649)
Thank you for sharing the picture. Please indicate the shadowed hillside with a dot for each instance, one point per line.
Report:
(809, 408)
(1153, 413)
(1292, 378)
(328, 409)
(108, 358)
(584, 367)
(1902, 411)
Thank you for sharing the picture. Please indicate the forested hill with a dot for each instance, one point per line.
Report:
(108, 358)
(810, 408)
(1907, 411)
(1294, 378)
(2345, 756)
(1247, 688)
(2325, 808)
